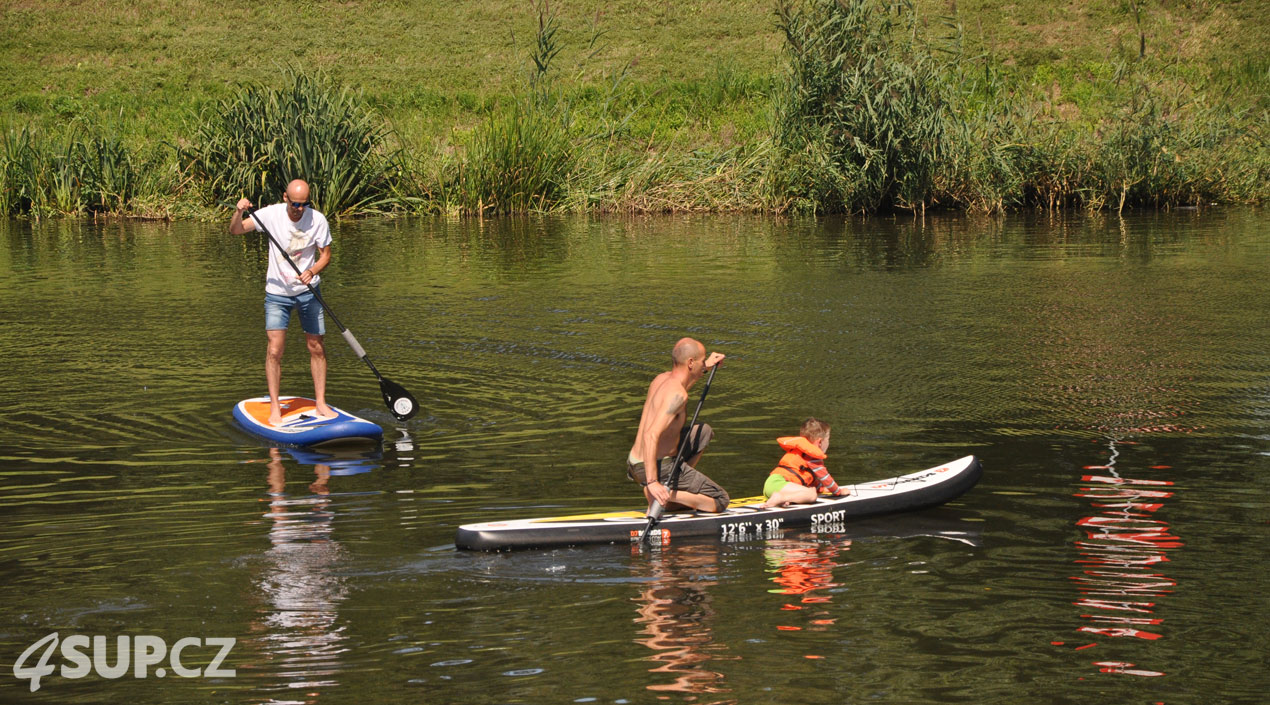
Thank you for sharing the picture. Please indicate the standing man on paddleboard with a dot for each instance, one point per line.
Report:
(307, 236)
(651, 458)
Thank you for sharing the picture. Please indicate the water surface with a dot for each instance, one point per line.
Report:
(1111, 374)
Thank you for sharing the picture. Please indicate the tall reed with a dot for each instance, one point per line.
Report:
(22, 174)
(111, 174)
(860, 116)
(518, 160)
(1161, 152)
(521, 157)
(254, 143)
(84, 169)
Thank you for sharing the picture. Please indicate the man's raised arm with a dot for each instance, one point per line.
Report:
(237, 225)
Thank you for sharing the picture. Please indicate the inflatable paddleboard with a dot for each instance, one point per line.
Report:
(743, 520)
(301, 425)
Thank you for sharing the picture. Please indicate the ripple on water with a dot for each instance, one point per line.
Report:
(129, 500)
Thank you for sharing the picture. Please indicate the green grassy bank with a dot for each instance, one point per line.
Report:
(165, 109)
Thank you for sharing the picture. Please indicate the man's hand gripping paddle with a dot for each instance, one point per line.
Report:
(656, 510)
(400, 402)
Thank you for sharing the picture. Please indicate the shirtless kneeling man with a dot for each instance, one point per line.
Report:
(661, 430)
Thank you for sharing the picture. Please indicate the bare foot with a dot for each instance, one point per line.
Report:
(324, 412)
(773, 505)
(275, 419)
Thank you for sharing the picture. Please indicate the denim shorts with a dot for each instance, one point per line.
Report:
(278, 312)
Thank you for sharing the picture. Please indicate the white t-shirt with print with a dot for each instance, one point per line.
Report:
(301, 238)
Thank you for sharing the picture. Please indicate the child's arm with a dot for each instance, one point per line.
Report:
(824, 481)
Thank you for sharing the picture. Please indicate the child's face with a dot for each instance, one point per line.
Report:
(823, 443)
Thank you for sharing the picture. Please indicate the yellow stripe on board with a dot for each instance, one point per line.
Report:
(748, 500)
(592, 517)
(632, 514)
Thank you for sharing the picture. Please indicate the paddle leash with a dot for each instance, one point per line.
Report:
(400, 402)
(656, 510)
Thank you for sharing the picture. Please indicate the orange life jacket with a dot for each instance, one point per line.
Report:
(795, 466)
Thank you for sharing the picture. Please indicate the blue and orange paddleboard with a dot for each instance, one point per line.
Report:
(301, 426)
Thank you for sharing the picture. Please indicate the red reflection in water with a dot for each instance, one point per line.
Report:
(677, 617)
(1124, 548)
(1126, 668)
(805, 569)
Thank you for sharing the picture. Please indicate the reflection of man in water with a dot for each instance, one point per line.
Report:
(678, 620)
(301, 583)
(278, 476)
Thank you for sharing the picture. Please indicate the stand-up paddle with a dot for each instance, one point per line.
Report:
(399, 401)
(656, 510)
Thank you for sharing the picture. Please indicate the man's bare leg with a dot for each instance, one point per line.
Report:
(699, 502)
(679, 498)
(273, 372)
(317, 365)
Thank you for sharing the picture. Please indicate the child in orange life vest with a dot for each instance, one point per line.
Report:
(801, 474)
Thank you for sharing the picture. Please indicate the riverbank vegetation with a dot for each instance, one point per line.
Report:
(813, 106)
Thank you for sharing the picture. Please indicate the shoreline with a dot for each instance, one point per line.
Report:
(563, 130)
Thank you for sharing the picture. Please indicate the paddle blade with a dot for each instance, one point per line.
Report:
(400, 402)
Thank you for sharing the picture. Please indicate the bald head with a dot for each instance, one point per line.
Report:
(687, 349)
(298, 191)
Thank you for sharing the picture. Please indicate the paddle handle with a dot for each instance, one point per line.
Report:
(352, 343)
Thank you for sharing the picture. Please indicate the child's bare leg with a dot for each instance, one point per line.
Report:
(791, 494)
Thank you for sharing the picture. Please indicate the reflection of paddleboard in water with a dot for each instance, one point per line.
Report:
(342, 460)
(301, 425)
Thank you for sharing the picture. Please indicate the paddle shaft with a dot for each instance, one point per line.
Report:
(348, 334)
(655, 511)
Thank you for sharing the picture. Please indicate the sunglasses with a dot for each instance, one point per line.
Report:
(298, 205)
